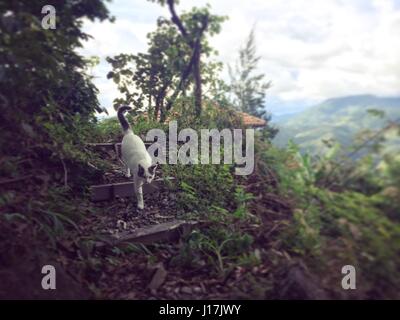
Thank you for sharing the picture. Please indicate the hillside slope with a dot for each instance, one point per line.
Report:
(338, 119)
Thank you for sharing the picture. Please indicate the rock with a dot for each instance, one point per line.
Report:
(172, 196)
(129, 296)
(153, 292)
(197, 290)
(301, 284)
(203, 288)
(158, 278)
(186, 290)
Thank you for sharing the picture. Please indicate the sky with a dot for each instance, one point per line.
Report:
(311, 50)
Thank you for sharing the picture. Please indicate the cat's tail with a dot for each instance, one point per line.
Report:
(120, 113)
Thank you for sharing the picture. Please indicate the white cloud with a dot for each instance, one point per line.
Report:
(311, 49)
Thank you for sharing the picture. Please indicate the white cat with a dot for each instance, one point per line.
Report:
(136, 158)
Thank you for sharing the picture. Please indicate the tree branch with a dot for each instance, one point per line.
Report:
(180, 87)
(175, 19)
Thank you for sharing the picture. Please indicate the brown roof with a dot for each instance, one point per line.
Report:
(251, 121)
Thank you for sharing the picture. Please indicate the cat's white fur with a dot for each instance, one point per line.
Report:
(137, 160)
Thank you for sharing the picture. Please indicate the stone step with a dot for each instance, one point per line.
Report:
(125, 189)
(168, 231)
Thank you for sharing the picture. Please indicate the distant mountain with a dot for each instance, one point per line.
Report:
(282, 118)
(278, 106)
(339, 119)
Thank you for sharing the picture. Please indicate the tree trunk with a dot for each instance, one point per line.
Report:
(197, 79)
(156, 111)
(195, 45)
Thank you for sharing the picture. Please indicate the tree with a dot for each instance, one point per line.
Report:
(47, 105)
(42, 76)
(171, 67)
(153, 79)
(247, 87)
(199, 25)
